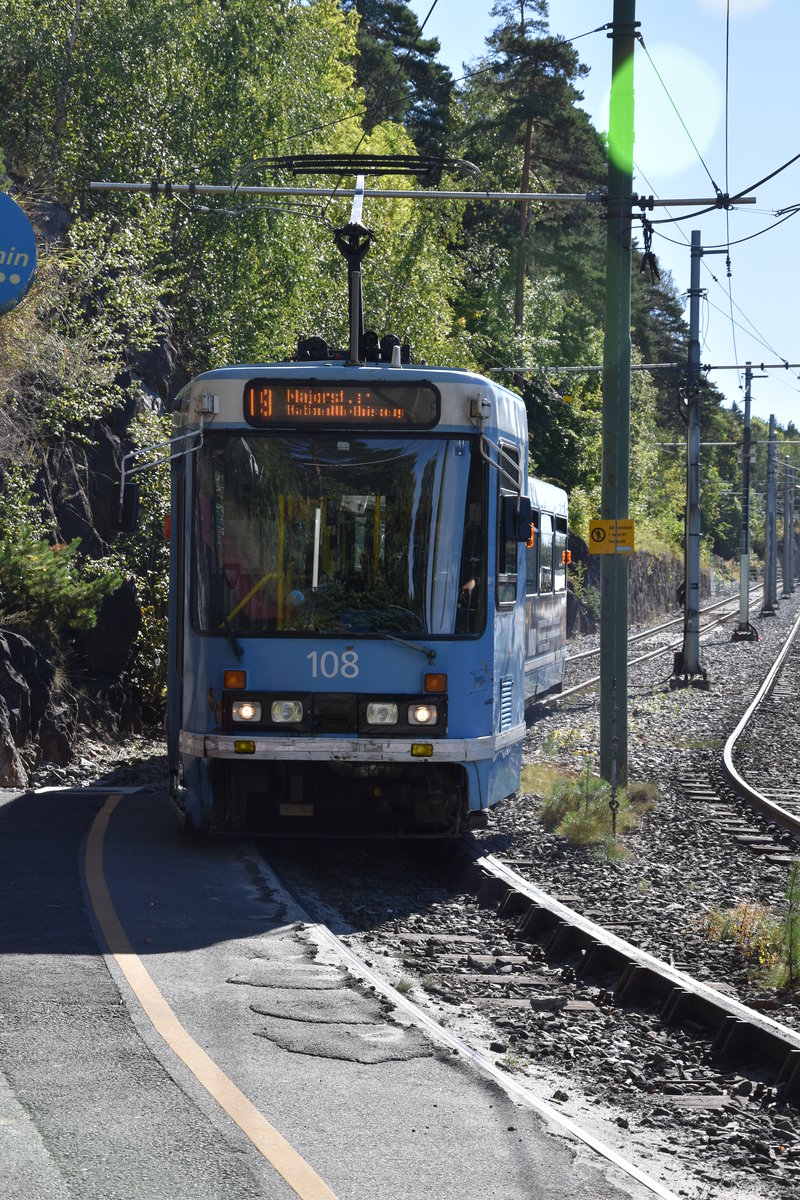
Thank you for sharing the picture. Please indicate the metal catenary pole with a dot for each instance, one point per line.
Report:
(788, 586)
(792, 542)
(744, 561)
(617, 401)
(770, 539)
(745, 631)
(687, 660)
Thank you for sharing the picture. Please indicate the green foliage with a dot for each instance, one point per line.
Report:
(752, 927)
(791, 929)
(585, 592)
(202, 90)
(97, 89)
(767, 940)
(577, 807)
(92, 306)
(44, 586)
(396, 68)
(144, 556)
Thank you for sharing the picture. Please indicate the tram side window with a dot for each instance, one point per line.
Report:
(532, 558)
(507, 546)
(546, 554)
(560, 564)
(471, 611)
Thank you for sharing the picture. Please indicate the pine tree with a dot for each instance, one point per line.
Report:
(398, 71)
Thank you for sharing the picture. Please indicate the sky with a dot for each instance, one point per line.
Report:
(741, 114)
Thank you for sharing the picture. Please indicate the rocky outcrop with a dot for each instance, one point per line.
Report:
(27, 692)
(106, 648)
(75, 484)
(42, 709)
(652, 585)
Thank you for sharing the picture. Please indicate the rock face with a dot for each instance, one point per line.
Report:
(40, 709)
(76, 483)
(26, 691)
(107, 648)
(40, 712)
(652, 583)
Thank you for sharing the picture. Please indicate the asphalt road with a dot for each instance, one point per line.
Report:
(269, 1070)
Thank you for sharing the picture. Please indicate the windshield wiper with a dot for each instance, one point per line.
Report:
(391, 637)
(231, 639)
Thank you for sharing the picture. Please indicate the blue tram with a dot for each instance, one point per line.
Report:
(367, 591)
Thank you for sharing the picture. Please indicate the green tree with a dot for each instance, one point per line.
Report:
(521, 121)
(397, 70)
(44, 585)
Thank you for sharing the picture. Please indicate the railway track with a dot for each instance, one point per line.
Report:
(590, 1006)
(558, 1008)
(726, 603)
(761, 761)
(648, 634)
(489, 1053)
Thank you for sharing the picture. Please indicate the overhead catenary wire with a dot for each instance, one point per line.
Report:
(471, 73)
(727, 214)
(716, 188)
(759, 337)
(385, 93)
(473, 196)
(157, 187)
(738, 198)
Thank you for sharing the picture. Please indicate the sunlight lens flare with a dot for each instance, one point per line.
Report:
(739, 8)
(662, 147)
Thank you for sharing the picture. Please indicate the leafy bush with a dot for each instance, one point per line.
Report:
(144, 556)
(752, 927)
(44, 587)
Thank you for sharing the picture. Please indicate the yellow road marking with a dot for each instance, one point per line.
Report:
(277, 1151)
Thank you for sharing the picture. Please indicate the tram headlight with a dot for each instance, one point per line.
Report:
(286, 712)
(423, 714)
(246, 710)
(382, 713)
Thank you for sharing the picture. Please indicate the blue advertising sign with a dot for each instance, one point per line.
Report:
(17, 253)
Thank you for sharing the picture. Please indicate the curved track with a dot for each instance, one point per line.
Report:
(529, 961)
(760, 759)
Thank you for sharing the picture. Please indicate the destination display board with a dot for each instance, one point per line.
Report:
(284, 402)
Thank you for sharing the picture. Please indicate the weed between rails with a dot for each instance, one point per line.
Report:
(767, 941)
(578, 807)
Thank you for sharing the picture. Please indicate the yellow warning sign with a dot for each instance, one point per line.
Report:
(611, 537)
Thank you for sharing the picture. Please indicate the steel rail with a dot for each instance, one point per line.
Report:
(638, 637)
(632, 662)
(486, 1066)
(769, 808)
(733, 1026)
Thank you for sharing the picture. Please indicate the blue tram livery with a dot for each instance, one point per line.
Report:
(367, 591)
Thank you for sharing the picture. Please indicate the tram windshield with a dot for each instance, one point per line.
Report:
(350, 533)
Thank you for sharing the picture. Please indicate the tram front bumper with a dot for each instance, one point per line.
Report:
(333, 749)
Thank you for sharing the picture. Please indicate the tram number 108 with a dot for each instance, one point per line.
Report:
(328, 664)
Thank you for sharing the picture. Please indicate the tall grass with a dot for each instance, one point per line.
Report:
(578, 807)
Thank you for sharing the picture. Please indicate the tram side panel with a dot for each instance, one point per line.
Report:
(546, 593)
